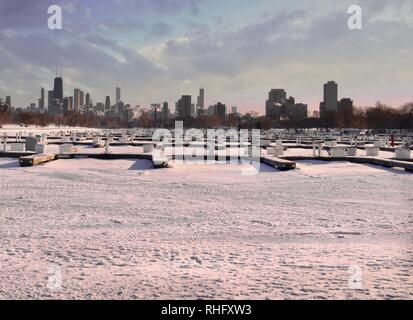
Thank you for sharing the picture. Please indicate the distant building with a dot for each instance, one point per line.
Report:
(3, 106)
(8, 101)
(345, 105)
(120, 107)
(117, 95)
(70, 103)
(155, 111)
(128, 113)
(107, 104)
(220, 110)
(100, 107)
(330, 102)
(234, 110)
(293, 111)
(299, 111)
(55, 98)
(56, 108)
(193, 110)
(50, 95)
(201, 98)
(58, 89)
(183, 107)
(41, 100)
(81, 98)
(87, 102)
(279, 107)
(200, 102)
(276, 98)
(165, 111)
(67, 105)
(76, 99)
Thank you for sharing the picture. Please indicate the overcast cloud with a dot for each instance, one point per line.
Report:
(157, 50)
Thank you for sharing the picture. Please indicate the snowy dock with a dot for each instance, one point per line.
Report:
(157, 163)
(279, 163)
(32, 160)
(387, 163)
(107, 156)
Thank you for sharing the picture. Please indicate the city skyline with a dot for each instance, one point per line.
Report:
(160, 50)
(277, 105)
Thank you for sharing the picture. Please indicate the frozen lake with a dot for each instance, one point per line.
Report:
(118, 229)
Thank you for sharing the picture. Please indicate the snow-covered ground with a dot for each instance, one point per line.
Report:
(86, 228)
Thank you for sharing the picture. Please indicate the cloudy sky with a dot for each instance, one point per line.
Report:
(157, 50)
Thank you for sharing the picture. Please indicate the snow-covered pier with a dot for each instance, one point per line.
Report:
(30, 161)
(387, 163)
(279, 163)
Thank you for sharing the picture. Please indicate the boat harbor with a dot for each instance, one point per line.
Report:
(280, 150)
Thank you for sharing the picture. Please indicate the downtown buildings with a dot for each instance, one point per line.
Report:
(279, 107)
(333, 111)
(5, 105)
(81, 102)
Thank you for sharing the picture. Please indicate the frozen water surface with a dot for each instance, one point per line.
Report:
(119, 229)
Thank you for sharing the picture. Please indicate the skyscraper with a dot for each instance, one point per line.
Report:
(82, 98)
(183, 107)
(58, 89)
(165, 111)
(70, 103)
(276, 97)
(76, 99)
(50, 95)
(107, 104)
(346, 110)
(330, 102)
(87, 102)
(201, 98)
(154, 109)
(200, 103)
(8, 101)
(220, 110)
(41, 100)
(120, 108)
(117, 95)
(67, 105)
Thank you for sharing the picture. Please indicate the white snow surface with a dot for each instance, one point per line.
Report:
(119, 229)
